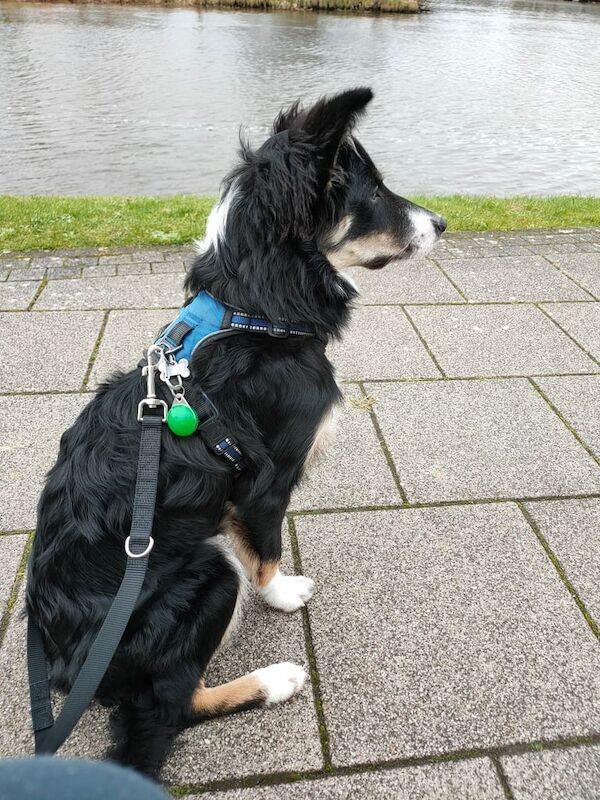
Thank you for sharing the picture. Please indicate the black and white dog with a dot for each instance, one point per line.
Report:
(304, 205)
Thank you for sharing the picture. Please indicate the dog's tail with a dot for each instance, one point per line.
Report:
(142, 740)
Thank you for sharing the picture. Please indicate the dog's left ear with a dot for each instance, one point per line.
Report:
(329, 120)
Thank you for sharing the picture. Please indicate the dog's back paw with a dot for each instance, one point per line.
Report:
(281, 681)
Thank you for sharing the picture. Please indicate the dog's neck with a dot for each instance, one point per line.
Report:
(289, 282)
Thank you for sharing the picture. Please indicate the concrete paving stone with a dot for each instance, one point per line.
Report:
(126, 336)
(17, 295)
(30, 430)
(81, 261)
(578, 400)
(30, 274)
(583, 267)
(55, 273)
(414, 281)
(380, 343)
(161, 267)
(354, 471)
(113, 260)
(443, 629)
(283, 737)
(137, 268)
(466, 780)
(581, 321)
(127, 291)
(53, 349)
(460, 440)
(99, 271)
(509, 279)
(570, 774)
(4, 273)
(11, 553)
(498, 340)
(44, 262)
(146, 256)
(572, 529)
(566, 247)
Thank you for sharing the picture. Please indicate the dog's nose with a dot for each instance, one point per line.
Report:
(440, 224)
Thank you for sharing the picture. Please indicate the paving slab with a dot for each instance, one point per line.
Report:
(581, 321)
(571, 774)
(413, 281)
(578, 399)
(53, 349)
(380, 343)
(126, 335)
(572, 529)
(354, 470)
(126, 291)
(443, 629)
(583, 267)
(11, 553)
(498, 340)
(16, 295)
(530, 278)
(460, 440)
(29, 449)
(279, 738)
(468, 780)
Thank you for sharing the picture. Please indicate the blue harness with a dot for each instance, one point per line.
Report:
(201, 321)
(205, 318)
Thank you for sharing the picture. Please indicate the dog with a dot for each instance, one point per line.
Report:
(294, 212)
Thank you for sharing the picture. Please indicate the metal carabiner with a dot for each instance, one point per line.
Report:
(151, 400)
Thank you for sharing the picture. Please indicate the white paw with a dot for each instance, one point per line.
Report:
(287, 592)
(280, 681)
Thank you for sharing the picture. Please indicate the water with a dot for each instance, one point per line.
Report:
(490, 96)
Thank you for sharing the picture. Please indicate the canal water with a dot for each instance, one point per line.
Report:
(484, 96)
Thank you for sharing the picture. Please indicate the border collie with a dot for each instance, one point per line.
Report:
(291, 215)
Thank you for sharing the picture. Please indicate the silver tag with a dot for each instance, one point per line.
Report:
(173, 369)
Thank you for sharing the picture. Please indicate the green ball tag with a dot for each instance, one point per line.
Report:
(182, 420)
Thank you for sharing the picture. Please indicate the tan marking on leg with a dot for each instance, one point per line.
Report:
(259, 572)
(228, 697)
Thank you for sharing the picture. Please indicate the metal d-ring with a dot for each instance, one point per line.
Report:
(138, 555)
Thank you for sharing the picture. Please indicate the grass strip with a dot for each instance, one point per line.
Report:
(35, 223)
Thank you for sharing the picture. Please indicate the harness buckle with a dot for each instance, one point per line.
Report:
(279, 329)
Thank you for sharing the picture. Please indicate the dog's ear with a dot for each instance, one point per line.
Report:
(329, 120)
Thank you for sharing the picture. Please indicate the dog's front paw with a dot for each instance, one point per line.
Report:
(287, 592)
(281, 681)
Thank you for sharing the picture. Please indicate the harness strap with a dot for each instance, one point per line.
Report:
(50, 735)
(216, 436)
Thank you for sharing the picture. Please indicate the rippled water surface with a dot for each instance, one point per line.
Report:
(495, 97)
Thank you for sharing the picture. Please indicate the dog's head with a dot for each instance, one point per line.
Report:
(312, 182)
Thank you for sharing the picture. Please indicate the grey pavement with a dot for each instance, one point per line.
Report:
(452, 528)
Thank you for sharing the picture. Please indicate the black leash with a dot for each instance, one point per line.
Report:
(50, 735)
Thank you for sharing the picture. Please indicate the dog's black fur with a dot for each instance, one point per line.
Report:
(309, 194)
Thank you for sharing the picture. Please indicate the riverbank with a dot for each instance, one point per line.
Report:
(387, 6)
(35, 223)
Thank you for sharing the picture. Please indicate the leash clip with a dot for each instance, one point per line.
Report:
(151, 400)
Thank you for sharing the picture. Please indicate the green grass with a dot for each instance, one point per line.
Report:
(31, 223)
